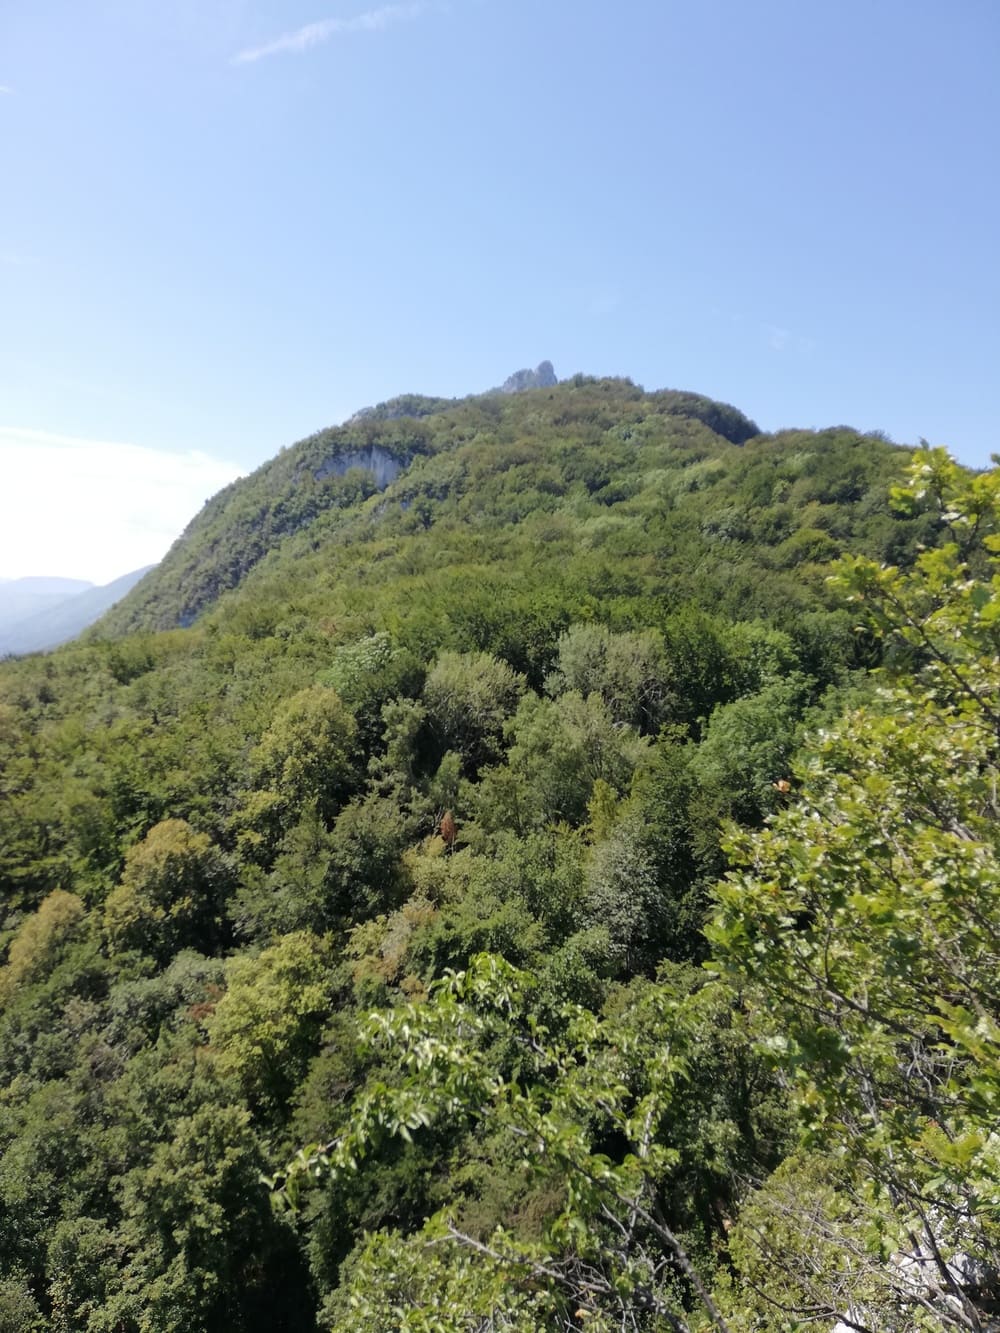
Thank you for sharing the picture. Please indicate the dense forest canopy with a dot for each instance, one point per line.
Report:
(525, 862)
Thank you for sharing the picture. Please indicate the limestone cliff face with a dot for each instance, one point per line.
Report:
(379, 462)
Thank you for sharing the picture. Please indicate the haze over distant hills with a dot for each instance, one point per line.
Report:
(21, 598)
(38, 613)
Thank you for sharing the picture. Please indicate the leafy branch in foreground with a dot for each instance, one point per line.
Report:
(613, 1109)
(863, 927)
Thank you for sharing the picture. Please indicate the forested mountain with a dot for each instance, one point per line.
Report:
(583, 452)
(492, 876)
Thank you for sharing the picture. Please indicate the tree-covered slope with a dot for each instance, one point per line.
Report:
(331, 470)
(455, 746)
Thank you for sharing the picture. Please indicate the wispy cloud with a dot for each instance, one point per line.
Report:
(786, 340)
(6, 90)
(315, 34)
(94, 509)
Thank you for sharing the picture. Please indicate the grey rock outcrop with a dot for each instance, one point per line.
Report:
(542, 377)
(379, 462)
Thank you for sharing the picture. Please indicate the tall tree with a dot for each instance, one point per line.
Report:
(863, 928)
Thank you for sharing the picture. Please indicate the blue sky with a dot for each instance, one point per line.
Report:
(227, 223)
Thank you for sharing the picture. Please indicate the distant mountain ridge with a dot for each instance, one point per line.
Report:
(24, 597)
(41, 613)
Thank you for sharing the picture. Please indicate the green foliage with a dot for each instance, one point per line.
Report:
(265, 1027)
(296, 893)
(84, 1264)
(864, 925)
(170, 893)
(574, 453)
(200, 1225)
(626, 899)
(368, 675)
(723, 419)
(795, 1252)
(19, 1312)
(368, 839)
(394, 1285)
(468, 697)
(587, 623)
(40, 940)
(627, 670)
(637, 1079)
(305, 753)
(559, 749)
(746, 748)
